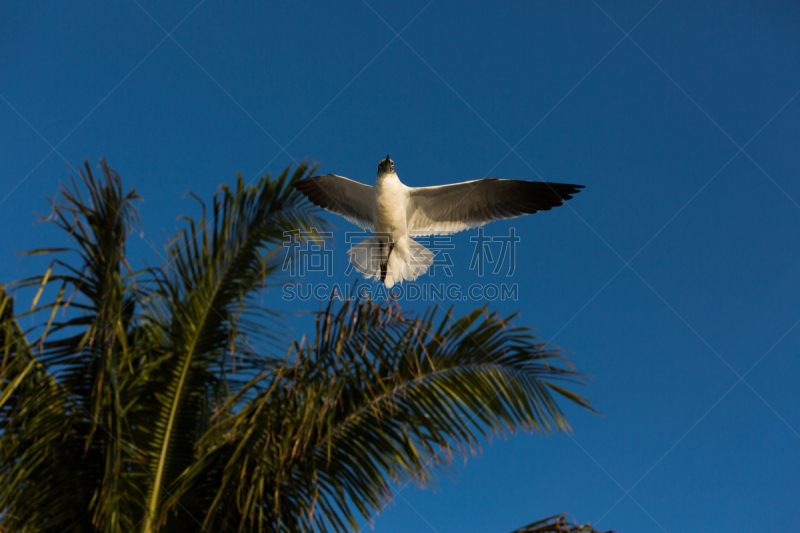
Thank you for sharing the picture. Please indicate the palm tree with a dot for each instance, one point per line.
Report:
(169, 398)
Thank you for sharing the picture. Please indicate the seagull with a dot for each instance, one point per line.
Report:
(396, 213)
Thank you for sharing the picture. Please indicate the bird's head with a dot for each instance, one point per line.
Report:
(386, 166)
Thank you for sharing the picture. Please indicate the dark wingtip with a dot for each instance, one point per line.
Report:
(304, 185)
(305, 181)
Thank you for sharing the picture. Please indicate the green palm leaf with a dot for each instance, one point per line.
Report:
(558, 524)
(90, 347)
(378, 396)
(203, 306)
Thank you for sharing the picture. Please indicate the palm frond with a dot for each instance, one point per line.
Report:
(203, 305)
(89, 349)
(558, 524)
(39, 442)
(378, 396)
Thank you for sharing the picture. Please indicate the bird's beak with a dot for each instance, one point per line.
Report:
(387, 161)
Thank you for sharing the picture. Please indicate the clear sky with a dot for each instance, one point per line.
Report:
(672, 278)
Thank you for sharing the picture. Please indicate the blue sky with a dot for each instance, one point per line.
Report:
(671, 279)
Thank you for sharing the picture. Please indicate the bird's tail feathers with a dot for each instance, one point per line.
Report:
(366, 257)
(407, 260)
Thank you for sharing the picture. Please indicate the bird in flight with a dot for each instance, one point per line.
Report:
(396, 213)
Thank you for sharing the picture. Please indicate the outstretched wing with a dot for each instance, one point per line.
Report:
(350, 199)
(452, 208)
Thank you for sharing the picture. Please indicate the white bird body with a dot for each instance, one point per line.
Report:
(395, 213)
(390, 210)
